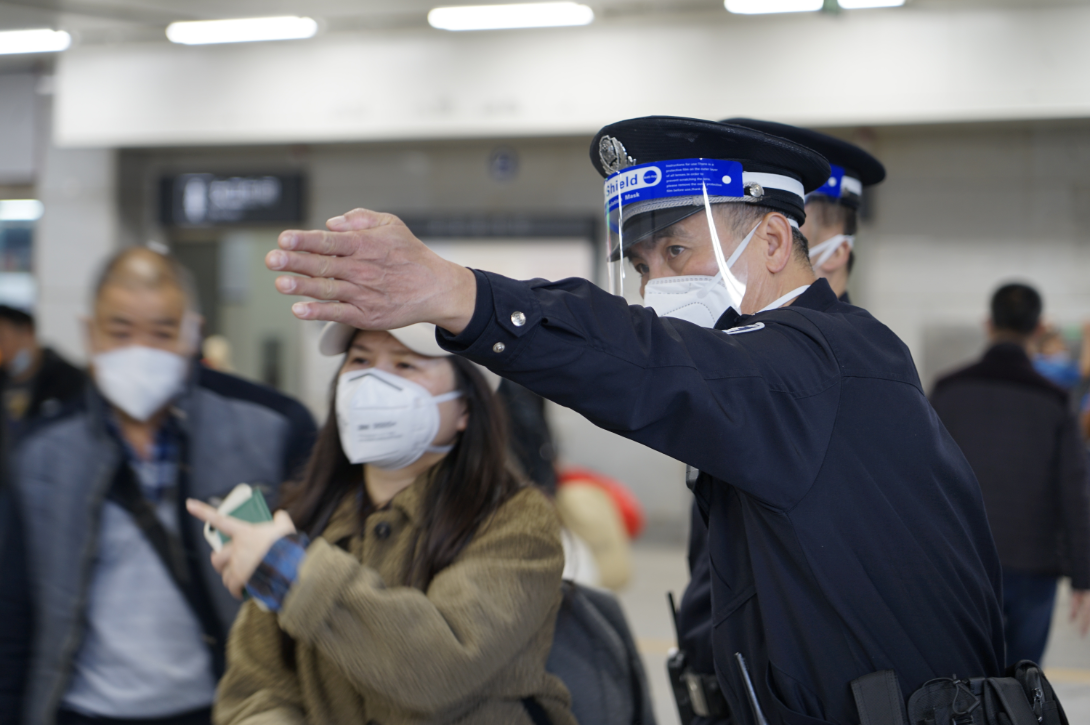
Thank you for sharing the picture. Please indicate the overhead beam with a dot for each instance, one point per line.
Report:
(900, 66)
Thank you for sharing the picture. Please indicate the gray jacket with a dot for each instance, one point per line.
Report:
(63, 474)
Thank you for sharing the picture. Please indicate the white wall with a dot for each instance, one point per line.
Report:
(912, 64)
(964, 209)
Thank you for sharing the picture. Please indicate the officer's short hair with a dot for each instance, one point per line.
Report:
(1016, 308)
(157, 271)
(16, 317)
(743, 217)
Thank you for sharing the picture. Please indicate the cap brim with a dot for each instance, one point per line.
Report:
(642, 226)
(420, 338)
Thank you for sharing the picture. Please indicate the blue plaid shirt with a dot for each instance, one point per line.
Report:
(156, 474)
(278, 571)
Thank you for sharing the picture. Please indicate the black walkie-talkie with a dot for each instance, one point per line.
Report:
(675, 670)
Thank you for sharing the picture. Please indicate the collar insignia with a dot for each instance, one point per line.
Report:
(613, 155)
(745, 328)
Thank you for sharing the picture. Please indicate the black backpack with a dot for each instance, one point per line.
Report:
(595, 656)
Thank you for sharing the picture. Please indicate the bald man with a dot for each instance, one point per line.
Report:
(129, 619)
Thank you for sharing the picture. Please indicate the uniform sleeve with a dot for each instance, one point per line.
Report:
(753, 409)
(1075, 496)
(258, 688)
(428, 651)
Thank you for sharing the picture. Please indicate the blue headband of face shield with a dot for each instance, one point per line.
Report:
(839, 184)
(643, 199)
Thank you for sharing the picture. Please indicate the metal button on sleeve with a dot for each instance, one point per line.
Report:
(382, 531)
(518, 319)
(499, 347)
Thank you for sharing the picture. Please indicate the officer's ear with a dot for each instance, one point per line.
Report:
(779, 242)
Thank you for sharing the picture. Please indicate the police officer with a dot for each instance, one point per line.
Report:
(831, 223)
(846, 532)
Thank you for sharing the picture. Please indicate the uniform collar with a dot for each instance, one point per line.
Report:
(819, 296)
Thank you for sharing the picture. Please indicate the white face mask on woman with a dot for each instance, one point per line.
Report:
(139, 380)
(385, 420)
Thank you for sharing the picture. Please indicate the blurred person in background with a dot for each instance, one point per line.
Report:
(410, 576)
(601, 517)
(34, 380)
(108, 610)
(1052, 357)
(1021, 439)
(214, 373)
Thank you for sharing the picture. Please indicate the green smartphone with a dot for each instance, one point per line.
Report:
(245, 503)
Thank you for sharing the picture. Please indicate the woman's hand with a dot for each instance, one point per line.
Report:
(238, 559)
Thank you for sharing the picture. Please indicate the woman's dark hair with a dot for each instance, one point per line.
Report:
(464, 489)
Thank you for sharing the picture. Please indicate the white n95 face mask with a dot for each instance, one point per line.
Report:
(139, 380)
(385, 420)
(700, 299)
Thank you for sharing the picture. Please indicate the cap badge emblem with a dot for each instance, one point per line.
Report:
(613, 155)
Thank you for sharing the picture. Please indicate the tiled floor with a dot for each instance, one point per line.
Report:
(660, 568)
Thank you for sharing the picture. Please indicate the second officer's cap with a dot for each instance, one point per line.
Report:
(851, 168)
(776, 172)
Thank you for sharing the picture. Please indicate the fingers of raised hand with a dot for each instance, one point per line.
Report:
(331, 312)
(358, 219)
(319, 288)
(336, 244)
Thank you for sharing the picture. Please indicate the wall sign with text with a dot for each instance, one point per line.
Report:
(202, 200)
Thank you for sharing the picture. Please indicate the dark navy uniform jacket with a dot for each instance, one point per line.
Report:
(694, 617)
(846, 532)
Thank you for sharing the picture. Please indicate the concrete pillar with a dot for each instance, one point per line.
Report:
(77, 232)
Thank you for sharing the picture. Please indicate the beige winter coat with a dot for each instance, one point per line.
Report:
(465, 651)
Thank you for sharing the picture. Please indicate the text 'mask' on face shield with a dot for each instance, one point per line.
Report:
(641, 202)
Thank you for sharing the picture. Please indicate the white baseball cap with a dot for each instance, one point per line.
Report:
(420, 338)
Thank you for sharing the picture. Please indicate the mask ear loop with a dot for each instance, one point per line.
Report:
(735, 287)
(828, 248)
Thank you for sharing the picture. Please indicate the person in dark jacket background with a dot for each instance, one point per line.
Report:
(1022, 441)
(34, 380)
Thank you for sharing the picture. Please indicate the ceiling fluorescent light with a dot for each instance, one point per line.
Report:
(501, 17)
(42, 40)
(761, 7)
(241, 30)
(861, 4)
(20, 210)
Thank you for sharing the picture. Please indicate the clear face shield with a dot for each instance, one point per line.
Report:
(643, 201)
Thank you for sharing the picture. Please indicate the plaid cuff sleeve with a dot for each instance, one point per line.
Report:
(278, 571)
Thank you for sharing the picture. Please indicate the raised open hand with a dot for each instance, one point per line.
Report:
(372, 273)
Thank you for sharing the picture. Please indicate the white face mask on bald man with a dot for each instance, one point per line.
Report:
(139, 380)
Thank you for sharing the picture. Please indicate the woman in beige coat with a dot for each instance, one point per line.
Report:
(409, 578)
